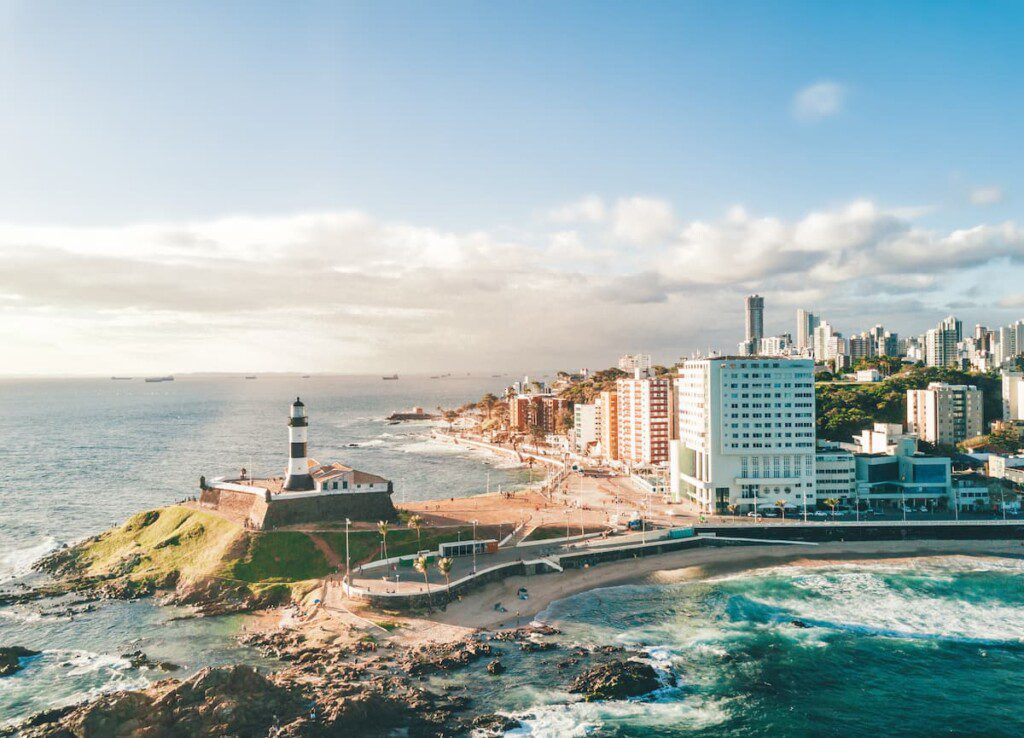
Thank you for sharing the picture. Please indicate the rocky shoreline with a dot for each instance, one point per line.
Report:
(366, 688)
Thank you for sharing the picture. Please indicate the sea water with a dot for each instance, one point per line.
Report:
(80, 455)
(915, 648)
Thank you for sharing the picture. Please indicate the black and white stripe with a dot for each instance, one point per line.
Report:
(298, 479)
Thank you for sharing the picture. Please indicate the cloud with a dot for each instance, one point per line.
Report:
(589, 209)
(345, 291)
(819, 100)
(643, 220)
(987, 195)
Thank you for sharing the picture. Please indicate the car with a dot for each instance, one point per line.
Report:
(751, 514)
(922, 509)
(820, 514)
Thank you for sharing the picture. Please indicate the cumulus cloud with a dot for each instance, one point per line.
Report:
(986, 195)
(346, 291)
(589, 209)
(819, 100)
(643, 220)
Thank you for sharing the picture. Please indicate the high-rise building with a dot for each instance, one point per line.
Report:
(643, 433)
(586, 427)
(940, 344)
(631, 362)
(806, 322)
(1013, 395)
(754, 319)
(609, 405)
(746, 434)
(945, 413)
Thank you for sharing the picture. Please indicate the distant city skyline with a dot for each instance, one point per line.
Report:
(361, 189)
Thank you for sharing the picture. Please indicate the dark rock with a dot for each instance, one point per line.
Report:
(10, 658)
(616, 680)
(494, 725)
(534, 646)
(496, 667)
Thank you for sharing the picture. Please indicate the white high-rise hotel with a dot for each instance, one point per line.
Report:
(746, 434)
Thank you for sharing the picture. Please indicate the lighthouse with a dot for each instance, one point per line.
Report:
(298, 479)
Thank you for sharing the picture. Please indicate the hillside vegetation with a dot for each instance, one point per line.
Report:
(200, 558)
(845, 409)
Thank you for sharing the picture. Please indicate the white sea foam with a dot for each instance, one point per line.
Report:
(18, 562)
(864, 601)
(591, 718)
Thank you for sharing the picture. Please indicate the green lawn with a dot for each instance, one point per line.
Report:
(544, 532)
(282, 556)
(365, 545)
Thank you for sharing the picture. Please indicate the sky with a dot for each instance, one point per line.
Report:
(423, 187)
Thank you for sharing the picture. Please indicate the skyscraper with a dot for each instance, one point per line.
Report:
(806, 322)
(755, 319)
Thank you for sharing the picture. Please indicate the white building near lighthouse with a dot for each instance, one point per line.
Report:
(746, 434)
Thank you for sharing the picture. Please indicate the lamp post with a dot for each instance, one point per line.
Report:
(348, 568)
(474, 546)
(903, 502)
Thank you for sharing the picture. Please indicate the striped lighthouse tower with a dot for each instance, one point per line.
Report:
(298, 479)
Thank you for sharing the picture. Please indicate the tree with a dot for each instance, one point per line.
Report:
(420, 564)
(566, 420)
(444, 566)
(781, 504)
(450, 416)
(537, 434)
(732, 507)
(489, 402)
(383, 528)
(832, 502)
(416, 522)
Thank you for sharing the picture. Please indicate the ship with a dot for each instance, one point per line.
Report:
(168, 378)
(393, 376)
(250, 376)
(122, 379)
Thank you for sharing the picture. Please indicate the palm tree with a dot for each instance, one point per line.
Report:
(489, 401)
(732, 508)
(450, 416)
(445, 567)
(416, 522)
(831, 502)
(781, 504)
(420, 564)
(383, 528)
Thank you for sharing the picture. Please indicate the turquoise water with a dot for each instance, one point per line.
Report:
(935, 647)
(78, 456)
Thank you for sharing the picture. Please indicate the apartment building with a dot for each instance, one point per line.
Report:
(746, 434)
(835, 473)
(527, 411)
(586, 427)
(1013, 396)
(608, 405)
(945, 413)
(643, 420)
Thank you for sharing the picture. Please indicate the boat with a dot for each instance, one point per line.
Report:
(393, 376)
(305, 376)
(250, 376)
(168, 378)
(122, 379)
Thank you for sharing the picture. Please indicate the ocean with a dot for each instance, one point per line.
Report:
(904, 648)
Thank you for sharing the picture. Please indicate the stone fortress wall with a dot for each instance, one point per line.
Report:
(258, 513)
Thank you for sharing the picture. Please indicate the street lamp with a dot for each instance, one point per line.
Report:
(348, 568)
(474, 546)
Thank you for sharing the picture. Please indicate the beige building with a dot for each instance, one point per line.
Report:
(609, 420)
(644, 425)
(945, 413)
